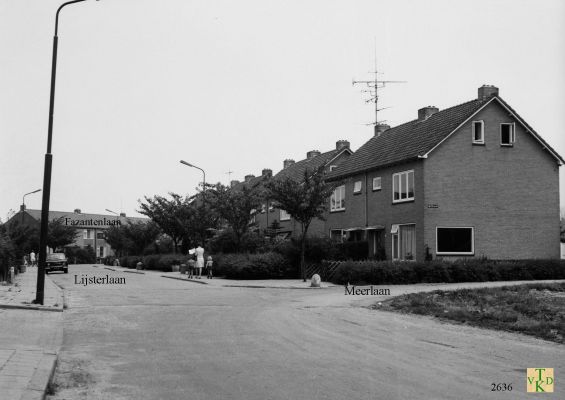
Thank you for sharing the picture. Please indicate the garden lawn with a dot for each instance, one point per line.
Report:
(536, 309)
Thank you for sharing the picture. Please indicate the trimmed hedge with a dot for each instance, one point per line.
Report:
(386, 272)
(269, 265)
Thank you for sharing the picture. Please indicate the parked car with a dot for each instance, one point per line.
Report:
(56, 262)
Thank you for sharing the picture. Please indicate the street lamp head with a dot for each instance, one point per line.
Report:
(35, 191)
(185, 163)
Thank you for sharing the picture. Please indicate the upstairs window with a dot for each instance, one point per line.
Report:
(377, 183)
(284, 216)
(507, 134)
(332, 167)
(337, 200)
(403, 186)
(478, 132)
(357, 187)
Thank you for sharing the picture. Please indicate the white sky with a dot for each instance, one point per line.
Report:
(241, 85)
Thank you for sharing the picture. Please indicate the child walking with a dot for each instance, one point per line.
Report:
(209, 264)
(191, 263)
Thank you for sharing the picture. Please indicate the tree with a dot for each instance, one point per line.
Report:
(60, 235)
(234, 206)
(132, 237)
(304, 200)
(201, 217)
(172, 216)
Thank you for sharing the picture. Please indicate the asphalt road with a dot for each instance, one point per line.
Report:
(156, 338)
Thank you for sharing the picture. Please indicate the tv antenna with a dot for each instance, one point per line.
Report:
(228, 173)
(372, 88)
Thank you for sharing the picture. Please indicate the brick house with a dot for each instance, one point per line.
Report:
(287, 226)
(471, 180)
(91, 227)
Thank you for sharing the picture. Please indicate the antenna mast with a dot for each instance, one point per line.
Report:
(372, 88)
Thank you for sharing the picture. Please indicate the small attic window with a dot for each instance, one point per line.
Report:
(357, 187)
(507, 134)
(478, 132)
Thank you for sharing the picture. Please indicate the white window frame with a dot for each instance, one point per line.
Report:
(332, 167)
(342, 233)
(263, 208)
(86, 234)
(377, 186)
(357, 187)
(482, 139)
(451, 253)
(335, 199)
(395, 236)
(512, 134)
(284, 216)
(399, 175)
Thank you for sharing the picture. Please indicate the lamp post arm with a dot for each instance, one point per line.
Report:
(59, 9)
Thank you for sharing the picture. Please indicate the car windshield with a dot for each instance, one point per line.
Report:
(56, 256)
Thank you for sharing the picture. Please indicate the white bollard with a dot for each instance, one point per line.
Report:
(316, 280)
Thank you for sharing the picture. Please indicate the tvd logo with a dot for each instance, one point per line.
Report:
(540, 380)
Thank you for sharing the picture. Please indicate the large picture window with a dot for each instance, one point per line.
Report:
(403, 242)
(455, 241)
(337, 200)
(403, 186)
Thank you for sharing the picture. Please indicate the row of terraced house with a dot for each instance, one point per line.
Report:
(472, 180)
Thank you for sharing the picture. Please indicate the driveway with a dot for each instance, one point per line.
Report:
(156, 338)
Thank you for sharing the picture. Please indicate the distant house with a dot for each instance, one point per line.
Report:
(285, 225)
(473, 180)
(91, 227)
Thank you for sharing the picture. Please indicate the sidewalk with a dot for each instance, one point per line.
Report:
(255, 283)
(23, 293)
(29, 337)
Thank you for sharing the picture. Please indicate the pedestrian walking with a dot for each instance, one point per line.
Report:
(191, 264)
(199, 251)
(32, 258)
(209, 264)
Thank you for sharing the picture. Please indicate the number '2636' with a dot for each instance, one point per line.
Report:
(501, 387)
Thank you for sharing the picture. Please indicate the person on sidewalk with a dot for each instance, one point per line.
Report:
(191, 264)
(209, 264)
(32, 258)
(199, 251)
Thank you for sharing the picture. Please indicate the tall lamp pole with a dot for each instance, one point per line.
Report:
(47, 169)
(24, 202)
(194, 166)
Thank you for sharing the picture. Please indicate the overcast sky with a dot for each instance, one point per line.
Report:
(241, 85)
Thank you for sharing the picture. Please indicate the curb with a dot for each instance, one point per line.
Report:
(30, 307)
(275, 287)
(184, 280)
(111, 269)
(42, 378)
(133, 272)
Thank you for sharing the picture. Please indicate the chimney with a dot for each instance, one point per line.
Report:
(380, 128)
(341, 144)
(267, 173)
(122, 215)
(22, 207)
(487, 91)
(312, 154)
(77, 211)
(426, 112)
(249, 177)
(233, 183)
(287, 163)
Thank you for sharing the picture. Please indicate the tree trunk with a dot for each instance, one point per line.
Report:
(303, 252)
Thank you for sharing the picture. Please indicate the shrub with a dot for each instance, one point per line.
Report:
(387, 272)
(78, 255)
(130, 261)
(108, 260)
(7, 254)
(166, 261)
(268, 265)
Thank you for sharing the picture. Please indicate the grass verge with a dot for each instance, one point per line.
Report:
(536, 309)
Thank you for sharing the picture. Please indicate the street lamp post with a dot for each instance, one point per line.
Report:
(194, 166)
(24, 202)
(47, 169)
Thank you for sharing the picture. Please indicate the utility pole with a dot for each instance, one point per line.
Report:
(372, 87)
